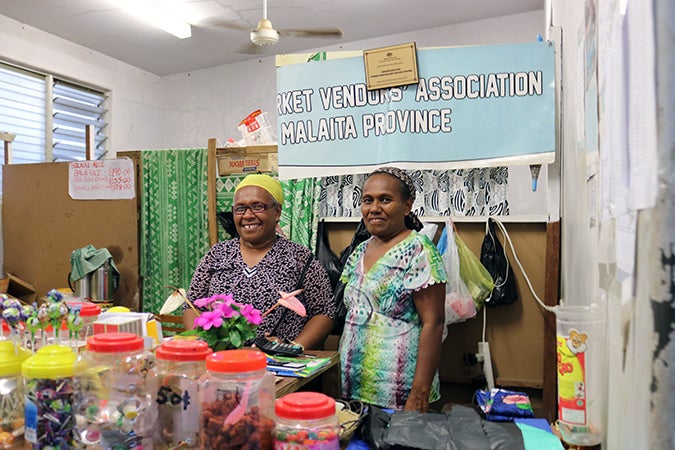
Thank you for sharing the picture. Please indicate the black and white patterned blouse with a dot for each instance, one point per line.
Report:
(223, 271)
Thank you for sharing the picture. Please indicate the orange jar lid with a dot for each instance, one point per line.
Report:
(236, 361)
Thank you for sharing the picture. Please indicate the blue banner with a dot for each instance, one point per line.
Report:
(472, 107)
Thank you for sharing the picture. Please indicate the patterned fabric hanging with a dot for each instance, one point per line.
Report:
(174, 221)
(462, 192)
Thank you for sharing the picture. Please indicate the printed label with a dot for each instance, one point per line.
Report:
(572, 406)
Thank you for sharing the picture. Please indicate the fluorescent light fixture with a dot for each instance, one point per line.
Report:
(158, 13)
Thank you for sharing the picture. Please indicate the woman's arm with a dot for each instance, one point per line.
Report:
(430, 306)
(315, 332)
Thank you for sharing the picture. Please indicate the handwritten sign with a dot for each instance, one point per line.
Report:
(107, 179)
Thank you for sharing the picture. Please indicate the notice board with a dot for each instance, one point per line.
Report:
(42, 225)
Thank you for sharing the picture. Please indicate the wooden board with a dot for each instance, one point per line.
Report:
(42, 225)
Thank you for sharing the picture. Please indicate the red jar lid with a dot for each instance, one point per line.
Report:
(87, 309)
(114, 342)
(183, 350)
(236, 361)
(305, 406)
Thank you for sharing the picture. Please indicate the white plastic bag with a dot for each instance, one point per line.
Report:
(459, 305)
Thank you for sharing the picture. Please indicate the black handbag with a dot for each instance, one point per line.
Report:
(493, 257)
(326, 257)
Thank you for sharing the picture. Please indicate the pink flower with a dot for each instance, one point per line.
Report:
(203, 302)
(209, 319)
(251, 314)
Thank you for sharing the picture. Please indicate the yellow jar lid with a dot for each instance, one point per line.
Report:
(51, 361)
(11, 358)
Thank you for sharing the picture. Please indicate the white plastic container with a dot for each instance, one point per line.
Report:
(582, 391)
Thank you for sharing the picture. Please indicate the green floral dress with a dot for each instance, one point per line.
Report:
(379, 345)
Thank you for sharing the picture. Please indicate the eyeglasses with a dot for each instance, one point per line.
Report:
(256, 208)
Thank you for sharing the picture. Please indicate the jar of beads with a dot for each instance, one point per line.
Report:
(237, 398)
(180, 364)
(116, 405)
(306, 420)
(49, 394)
(11, 394)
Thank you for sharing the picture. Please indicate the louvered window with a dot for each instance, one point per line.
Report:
(49, 116)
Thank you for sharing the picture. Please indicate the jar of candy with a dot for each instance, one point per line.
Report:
(11, 394)
(115, 407)
(49, 394)
(237, 398)
(180, 364)
(306, 420)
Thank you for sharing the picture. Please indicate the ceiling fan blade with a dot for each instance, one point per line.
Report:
(330, 32)
(228, 25)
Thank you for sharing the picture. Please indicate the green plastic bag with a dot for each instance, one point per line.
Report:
(476, 277)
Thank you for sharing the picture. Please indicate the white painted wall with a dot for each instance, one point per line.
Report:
(641, 375)
(136, 100)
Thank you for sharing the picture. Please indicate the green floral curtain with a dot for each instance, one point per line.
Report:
(174, 221)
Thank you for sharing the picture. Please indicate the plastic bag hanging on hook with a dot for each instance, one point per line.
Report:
(459, 305)
(475, 276)
(493, 257)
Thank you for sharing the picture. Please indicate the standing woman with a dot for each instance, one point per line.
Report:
(259, 264)
(395, 288)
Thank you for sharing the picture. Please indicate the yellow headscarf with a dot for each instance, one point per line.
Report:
(266, 182)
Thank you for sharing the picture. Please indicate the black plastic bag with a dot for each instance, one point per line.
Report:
(361, 234)
(326, 257)
(493, 257)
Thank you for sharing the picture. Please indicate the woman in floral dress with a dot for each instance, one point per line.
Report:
(395, 288)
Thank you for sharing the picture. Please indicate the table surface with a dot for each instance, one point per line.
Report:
(286, 385)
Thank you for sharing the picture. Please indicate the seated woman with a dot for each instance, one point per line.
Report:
(259, 264)
(395, 289)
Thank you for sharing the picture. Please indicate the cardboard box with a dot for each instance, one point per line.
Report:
(20, 289)
(119, 324)
(248, 163)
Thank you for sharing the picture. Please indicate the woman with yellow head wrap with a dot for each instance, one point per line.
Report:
(259, 265)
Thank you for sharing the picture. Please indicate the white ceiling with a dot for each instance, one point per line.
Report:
(101, 26)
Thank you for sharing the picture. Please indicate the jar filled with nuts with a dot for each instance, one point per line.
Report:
(115, 406)
(237, 399)
(180, 364)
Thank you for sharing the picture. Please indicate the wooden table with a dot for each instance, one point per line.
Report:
(330, 374)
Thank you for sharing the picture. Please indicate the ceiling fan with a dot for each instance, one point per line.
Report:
(265, 34)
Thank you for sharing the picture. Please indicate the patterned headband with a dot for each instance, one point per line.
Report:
(401, 175)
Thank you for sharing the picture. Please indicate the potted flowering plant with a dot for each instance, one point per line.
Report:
(225, 324)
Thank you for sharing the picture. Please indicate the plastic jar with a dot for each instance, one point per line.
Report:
(49, 388)
(180, 364)
(89, 313)
(116, 401)
(306, 420)
(237, 398)
(11, 394)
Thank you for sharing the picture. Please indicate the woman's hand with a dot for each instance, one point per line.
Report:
(418, 400)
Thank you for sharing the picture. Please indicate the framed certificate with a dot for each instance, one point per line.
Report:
(391, 66)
